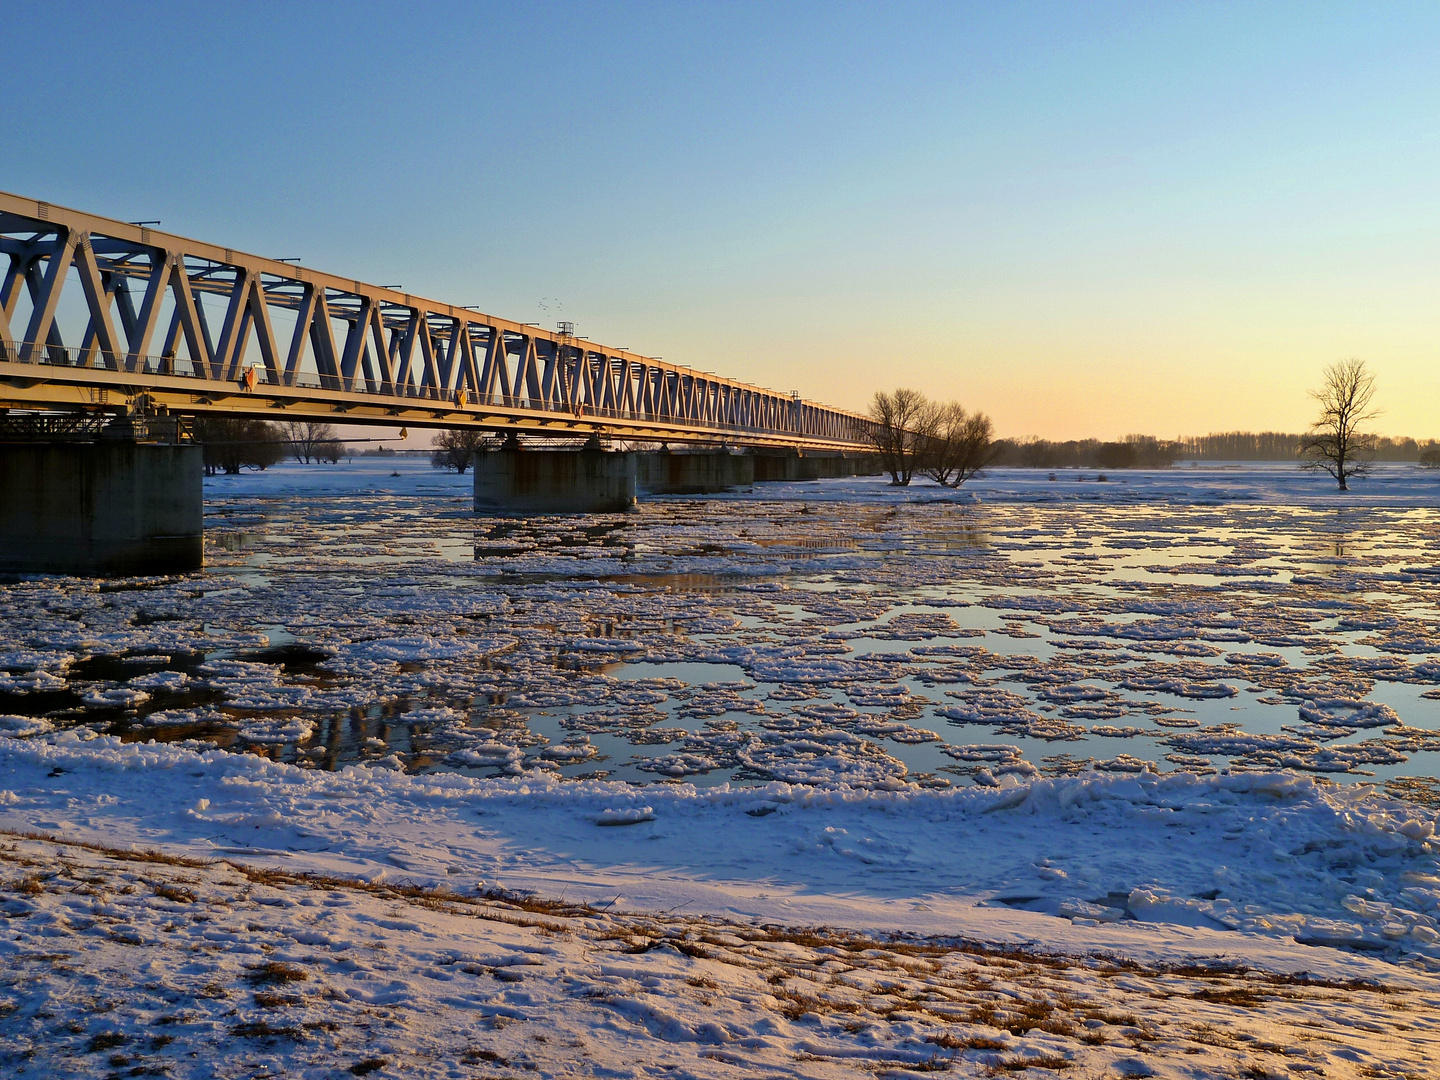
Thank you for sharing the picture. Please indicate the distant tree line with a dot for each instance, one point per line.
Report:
(1133, 452)
(1280, 446)
(1147, 452)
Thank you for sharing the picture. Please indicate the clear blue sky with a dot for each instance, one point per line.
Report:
(1085, 218)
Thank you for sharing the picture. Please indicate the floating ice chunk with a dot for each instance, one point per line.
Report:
(1339, 759)
(1255, 660)
(984, 752)
(604, 645)
(488, 754)
(575, 749)
(1189, 762)
(431, 715)
(1161, 683)
(679, 764)
(415, 647)
(31, 682)
(180, 717)
(987, 706)
(20, 726)
(26, 659)
(1349, 713)
(116, 697)
(240, 672)
(1229, 741)
(1107, 731)
(916, 626)
(869, 696)
(877, 728)
(1125, 763)
(285, 730)
(1415, 641)
(160, 680)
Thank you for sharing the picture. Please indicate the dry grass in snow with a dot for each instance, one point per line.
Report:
(127, 963)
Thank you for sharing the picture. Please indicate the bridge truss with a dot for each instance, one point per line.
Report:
(179, 326)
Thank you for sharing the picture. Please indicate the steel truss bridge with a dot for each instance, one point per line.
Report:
(173, 325)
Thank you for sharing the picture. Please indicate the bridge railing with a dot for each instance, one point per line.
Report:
(254, 380)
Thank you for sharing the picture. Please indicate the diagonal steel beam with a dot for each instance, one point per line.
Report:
(99, 299)
(45, 296)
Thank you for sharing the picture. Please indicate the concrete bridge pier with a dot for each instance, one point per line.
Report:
(792, 465)
(519, 481)
(114, 504)
(707, 472)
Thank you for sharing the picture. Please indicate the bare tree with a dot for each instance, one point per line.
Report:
(904, 424)
(1335, 442)
(310, 440)
(958, 445)
(455, 448)
(231, 444)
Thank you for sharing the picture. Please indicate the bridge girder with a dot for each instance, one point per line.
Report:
(355, 353)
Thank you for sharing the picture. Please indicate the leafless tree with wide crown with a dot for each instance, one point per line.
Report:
(455, 448)
(310, 441)
(1335, 442)
(939, 440)
(900, 431)
(958, 444)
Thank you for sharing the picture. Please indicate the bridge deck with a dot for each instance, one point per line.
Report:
(296, 344)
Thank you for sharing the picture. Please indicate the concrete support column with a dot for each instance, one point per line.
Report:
(588, 481)
(702, 473)
(778, 465)
(108, 507)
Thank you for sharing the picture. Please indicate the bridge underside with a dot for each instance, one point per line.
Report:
(103, 314)
(53, 387)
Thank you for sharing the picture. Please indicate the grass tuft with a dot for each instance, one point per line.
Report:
(950, 1041)
(274, 973)
(1030, 1061)
(260, 1029)
(177, 893)
(264, 999)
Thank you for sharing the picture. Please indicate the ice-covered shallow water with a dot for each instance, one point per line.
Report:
(836, 632)
(1101, 716)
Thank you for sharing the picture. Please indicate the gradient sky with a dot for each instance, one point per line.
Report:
(1086, 219)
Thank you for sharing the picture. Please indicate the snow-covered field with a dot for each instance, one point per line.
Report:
(1164, 716)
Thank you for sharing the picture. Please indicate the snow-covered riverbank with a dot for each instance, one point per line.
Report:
(1073, 717)
(124, 963)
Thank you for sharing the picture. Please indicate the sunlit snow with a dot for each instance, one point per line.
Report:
(1173, 714)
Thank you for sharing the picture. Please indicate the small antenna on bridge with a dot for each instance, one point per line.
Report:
(294, 259)
(155, 222)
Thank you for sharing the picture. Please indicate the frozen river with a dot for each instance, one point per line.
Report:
(829, 633)
(828, 779)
